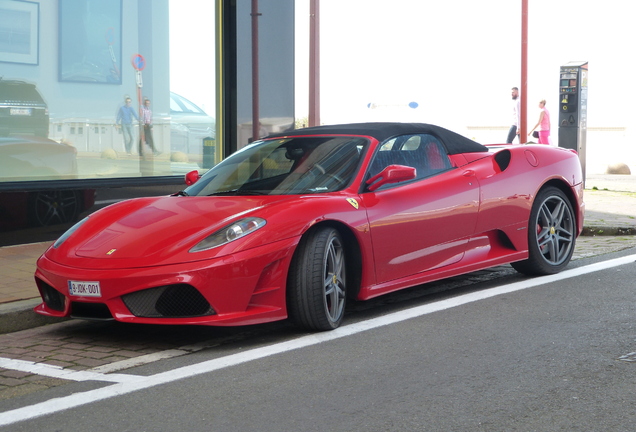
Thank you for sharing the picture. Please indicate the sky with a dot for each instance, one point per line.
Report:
(458, 59)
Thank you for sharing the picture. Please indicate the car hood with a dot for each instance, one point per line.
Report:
(160, 231)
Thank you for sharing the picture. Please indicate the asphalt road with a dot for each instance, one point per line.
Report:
(498, 352)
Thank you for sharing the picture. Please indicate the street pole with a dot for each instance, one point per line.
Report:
(142, 138)
(139, 63)
(314, 63)
(255, 84)
(523, 132)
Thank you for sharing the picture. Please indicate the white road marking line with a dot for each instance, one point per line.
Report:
(59, 372)
(138, 361)
(77, 399)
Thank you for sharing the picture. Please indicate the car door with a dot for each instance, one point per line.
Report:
(425, 223)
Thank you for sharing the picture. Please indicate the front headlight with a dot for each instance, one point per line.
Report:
(68, 233)
(232, 232)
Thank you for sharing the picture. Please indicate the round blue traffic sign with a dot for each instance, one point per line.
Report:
(138, 62)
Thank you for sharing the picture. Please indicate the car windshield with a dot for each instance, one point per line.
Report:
(285, 166)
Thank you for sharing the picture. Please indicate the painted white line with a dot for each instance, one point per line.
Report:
(59, 372)
(77, 399)
(138, 361)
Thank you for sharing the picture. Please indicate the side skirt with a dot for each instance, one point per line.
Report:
(484, 251)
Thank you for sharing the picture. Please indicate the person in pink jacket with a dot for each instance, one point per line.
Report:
(543, 124)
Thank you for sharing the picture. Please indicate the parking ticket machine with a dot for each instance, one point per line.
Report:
(573, 108)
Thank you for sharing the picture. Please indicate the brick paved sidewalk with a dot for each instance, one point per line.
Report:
(17, 265)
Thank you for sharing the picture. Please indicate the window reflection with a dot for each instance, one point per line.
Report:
(70, 97)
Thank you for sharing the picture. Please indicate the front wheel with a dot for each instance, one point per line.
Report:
(316, 288)
(551, 234)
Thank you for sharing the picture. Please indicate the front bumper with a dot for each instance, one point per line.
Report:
(239, 289)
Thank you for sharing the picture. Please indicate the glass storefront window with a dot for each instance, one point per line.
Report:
(67, 68)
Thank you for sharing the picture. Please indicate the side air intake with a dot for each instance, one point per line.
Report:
(503, 159)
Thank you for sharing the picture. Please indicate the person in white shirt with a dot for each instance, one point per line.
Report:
(516, 111)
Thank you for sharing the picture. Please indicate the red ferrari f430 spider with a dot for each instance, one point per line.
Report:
(296, 224)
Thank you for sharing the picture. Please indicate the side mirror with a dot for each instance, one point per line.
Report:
(391, 174)
(192, 177)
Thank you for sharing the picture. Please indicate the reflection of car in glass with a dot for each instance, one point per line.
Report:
(189, 125)
(22, 109)
(24, 158)
(297, 223)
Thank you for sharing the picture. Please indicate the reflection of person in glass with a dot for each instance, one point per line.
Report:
(146, 118)
(125, 120)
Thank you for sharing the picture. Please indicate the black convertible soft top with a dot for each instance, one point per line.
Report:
(453, 142)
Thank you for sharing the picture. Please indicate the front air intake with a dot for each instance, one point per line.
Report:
(52, 297)
(91, 311)
(172, 301)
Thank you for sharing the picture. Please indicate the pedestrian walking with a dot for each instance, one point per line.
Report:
(124, 120)
(516, 115)
(146, 118)
(543, 124)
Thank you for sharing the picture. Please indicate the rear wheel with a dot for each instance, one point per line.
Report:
(551, 234)
(316, 289)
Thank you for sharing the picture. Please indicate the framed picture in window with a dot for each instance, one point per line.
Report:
(90, 41)
(19, 32)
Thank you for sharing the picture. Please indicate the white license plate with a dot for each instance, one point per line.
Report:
(21, 111)
(84, 289)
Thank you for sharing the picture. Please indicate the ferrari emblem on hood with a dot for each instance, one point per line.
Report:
(110, 252)
(353, 202)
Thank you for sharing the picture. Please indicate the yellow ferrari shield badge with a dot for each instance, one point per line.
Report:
(353, 202)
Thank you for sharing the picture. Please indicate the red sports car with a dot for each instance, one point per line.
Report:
(295, 224)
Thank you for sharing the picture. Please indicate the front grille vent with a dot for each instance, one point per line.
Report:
(172, 301)
(52, 297)
(91, 311)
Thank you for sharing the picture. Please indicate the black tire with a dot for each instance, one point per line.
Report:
(316, 287)
(54, 207)
(551, 234)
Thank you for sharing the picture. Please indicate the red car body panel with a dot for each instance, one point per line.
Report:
(472, 216)
(439, 225)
